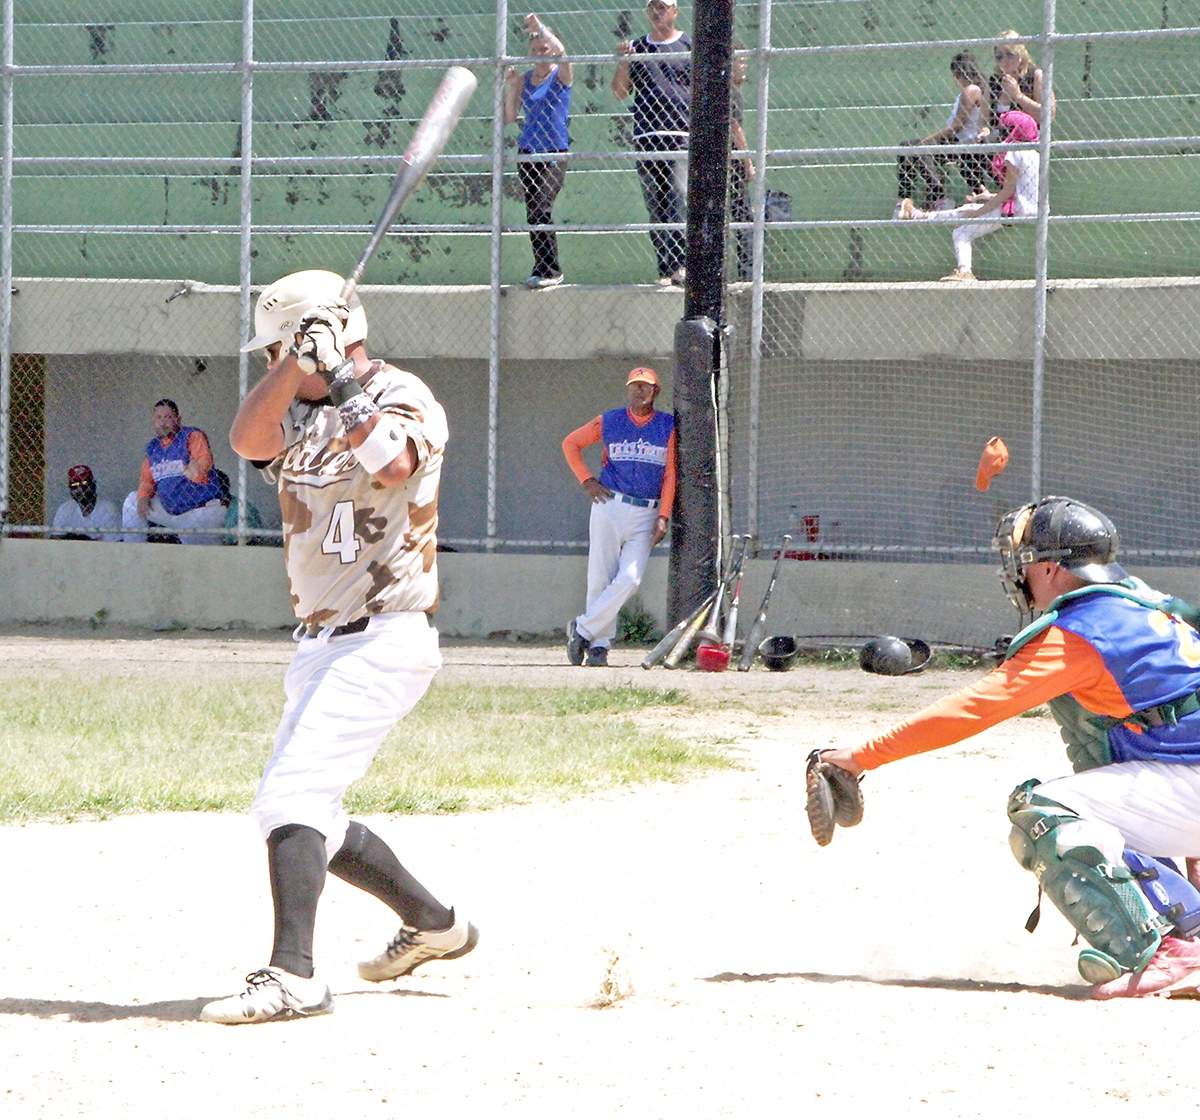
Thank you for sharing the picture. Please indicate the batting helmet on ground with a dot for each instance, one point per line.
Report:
(893, 657)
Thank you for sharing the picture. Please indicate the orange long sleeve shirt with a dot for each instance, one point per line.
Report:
(198, 451)
(1049, 665)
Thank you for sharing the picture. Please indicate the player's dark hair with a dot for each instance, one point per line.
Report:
(169, 404)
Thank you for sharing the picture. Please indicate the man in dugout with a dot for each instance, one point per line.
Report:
(1118, 664)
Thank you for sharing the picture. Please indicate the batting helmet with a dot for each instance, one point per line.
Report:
(1080, 538)
(283, 305)
(779, 653)
(891, 657)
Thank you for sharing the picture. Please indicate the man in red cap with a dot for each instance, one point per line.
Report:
(631, 505)
(83, 518)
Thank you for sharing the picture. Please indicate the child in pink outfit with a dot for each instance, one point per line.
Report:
(1016, 172)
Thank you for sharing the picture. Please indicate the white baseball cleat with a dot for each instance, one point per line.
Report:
(411, 948)
(272, 994)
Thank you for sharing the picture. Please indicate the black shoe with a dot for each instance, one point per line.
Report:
(577, 644)
(597, 655)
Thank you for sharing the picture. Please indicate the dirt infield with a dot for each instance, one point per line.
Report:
(668, 952)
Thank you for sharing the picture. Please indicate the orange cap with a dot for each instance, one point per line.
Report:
(642, 373)
(993, 460)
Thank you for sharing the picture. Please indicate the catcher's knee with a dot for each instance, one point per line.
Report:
(1118, 900)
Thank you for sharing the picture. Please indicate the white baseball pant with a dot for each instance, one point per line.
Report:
(1155, 806)
(209, 516)
(344, 695)
(619, 543)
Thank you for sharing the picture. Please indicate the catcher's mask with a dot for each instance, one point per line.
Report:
(1081, 539)
(283, 305)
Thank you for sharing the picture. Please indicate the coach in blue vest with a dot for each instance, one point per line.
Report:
(631, 505)
(178, 489)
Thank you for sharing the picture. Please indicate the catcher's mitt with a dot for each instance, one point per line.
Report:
(834, 798)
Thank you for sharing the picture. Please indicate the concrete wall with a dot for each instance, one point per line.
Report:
(163, 586)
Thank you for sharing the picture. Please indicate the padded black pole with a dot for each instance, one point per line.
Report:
(694, 534)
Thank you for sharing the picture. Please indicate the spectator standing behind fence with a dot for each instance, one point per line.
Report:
(741, 171)
(178, 488)
(84, 517)
(662, 99)
(1017, 82)
(545, 93)
(968, 124)
(1017, 173)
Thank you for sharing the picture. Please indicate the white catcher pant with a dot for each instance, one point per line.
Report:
(619, 537)
(209, 516)
(343, 696)
(1155, 806)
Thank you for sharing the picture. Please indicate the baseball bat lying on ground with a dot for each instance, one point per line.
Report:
(432, 133)
(750, 650)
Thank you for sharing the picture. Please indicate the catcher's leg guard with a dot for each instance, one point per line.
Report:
(1080, 865)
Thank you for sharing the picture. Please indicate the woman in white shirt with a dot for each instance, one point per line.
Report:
(967, 124)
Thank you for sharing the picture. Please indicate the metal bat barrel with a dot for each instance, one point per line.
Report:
(427, 143)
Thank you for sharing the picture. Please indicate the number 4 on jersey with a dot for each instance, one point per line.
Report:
(340, 540)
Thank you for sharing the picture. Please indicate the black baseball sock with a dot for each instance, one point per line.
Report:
(366, 862)
(296, 859)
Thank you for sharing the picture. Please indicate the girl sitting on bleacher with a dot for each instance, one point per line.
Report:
(967, 124)
(1017, 174)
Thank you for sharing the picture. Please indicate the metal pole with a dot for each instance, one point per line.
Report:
(494, 303)
(756, 276)
(6, 263)
(246, 203)
(1041, 256)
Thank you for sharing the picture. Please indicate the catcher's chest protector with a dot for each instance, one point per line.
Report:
(1079, 864)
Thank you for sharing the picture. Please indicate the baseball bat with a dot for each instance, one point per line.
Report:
(750, 650)
(709, 635)
(731, 620)
(668, 642)
(688, 636)
(427, 143)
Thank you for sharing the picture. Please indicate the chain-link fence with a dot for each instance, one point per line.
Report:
(165, 160)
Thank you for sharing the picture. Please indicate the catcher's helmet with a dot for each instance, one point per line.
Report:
(1081, 539)
(284, 304)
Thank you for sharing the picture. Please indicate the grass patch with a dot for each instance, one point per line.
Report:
(74, 749)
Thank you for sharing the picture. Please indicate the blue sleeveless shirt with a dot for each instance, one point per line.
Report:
(635, 458)
(177, 493)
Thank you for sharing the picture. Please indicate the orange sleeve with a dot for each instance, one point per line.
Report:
(668, 487)
(146, 487)
(200, 454)
(1051, 664)
(574, 444)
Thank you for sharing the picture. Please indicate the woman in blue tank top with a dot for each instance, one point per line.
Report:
(545, 93)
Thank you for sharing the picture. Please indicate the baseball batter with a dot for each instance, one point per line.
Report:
(1119, 666)
(355, 449)
(631, 505)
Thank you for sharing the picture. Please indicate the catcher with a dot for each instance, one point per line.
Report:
(1118, 664)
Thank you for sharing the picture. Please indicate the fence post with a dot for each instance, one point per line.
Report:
(1041, 254)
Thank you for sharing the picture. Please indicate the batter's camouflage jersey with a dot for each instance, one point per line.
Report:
(354, 547)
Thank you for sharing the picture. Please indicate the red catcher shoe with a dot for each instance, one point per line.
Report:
(1175, 961)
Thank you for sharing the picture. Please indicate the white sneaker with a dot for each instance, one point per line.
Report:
(679, 277)
(411, 948)
(272, 994)
(535, 282)
(664, 281)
